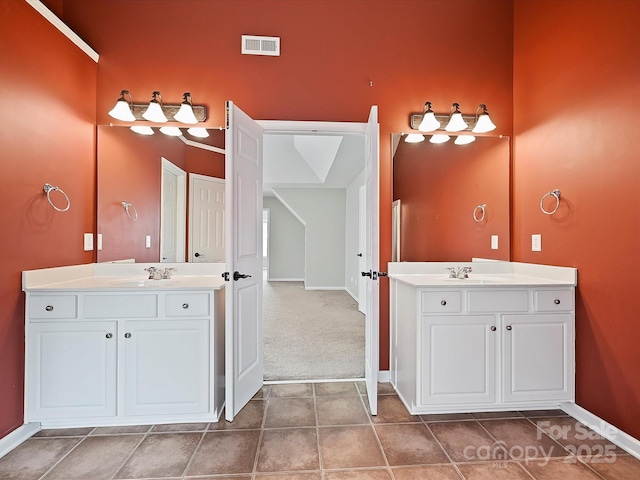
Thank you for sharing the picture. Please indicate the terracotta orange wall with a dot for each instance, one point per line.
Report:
(576, 104)
(439, 185)
(47, 135)
(339, 57)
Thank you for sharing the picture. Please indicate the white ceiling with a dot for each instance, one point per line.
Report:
(329, 160)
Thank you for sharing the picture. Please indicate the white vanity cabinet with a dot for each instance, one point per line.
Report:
(481, 347)
(107, 357)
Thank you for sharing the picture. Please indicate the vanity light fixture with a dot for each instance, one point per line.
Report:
(198, 132)
(464, 139)
(439, 138)
(154, 112)
(483, 121)
(456, 122)
(429, 122)
(414, 138)
(142, 130)
(122, 109)
(185, 114)
(171, 131)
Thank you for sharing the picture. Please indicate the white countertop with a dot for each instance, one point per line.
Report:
(485, 274)
(122, 277)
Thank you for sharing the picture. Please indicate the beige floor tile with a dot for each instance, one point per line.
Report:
(250, 417)
(392, 410)
(288, 476)
(288, 449)
(349, 447)
(161, 455)
(30, 460)
(97, 458)
(225, 453)
(431, 472)
(494, 471)
(291, 390)
(410, 444)
(466, 441)
(336, 388)
(386, 389)
(623, 467)
(364, 474)
(341, 411)
(290, 412)
(560, 470)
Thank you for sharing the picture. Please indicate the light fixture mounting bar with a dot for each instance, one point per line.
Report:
(416, 118)
(200, 111)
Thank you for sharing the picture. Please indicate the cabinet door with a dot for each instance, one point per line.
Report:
(166, 366)
(71, 369)
(538, 355)
(458, 355)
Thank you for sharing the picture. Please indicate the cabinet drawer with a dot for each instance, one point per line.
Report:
(43, 307)
(187, 305)
(441, 302)
(552, 300)
(498, 301)
(121, 306)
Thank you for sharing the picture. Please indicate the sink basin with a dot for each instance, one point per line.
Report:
(145, 283)
(476, 280)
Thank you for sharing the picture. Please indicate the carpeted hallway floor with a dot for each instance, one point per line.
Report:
(311, 334)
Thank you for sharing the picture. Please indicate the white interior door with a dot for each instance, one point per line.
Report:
(206, 219)
(372, 259)
(362, 247)
(243, 317)
(173, 214)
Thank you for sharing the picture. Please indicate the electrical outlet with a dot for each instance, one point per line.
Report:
(88, 242)
(536, 242)
(147, 241)
(494, 242)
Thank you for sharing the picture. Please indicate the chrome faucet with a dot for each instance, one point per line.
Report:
(166, 274)
(460, 272)
(154, 273)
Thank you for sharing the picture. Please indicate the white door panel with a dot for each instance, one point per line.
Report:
(207, 224)
(244, 352)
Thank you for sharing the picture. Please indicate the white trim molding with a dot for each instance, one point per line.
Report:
(604, 429)
(66, 31)
(19, 435)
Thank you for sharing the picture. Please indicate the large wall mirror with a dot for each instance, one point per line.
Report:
(145, 186)
(451, 202)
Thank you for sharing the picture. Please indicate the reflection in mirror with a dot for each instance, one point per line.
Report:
(130, 170)
(441, 189)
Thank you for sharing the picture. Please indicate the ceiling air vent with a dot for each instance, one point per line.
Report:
(254, 45)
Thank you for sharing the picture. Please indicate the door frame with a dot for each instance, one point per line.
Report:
(181, 208)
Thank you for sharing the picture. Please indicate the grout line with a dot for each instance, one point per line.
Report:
(84, 437)
(267, 402)
(144, 436)
(443, 449)
(375, 433)
(193, 454)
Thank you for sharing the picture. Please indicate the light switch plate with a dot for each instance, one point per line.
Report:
(88, 242)
(536, 242)
(99, 241)
(494, 242)
(147, 241)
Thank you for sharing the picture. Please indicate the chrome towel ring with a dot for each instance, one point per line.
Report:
(128, 207)
(555, 194)
(48, 188)
(480, 208)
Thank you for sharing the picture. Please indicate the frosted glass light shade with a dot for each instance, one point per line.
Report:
(185, 114)
(414, 138)
(456, 123)
(199, 132)
(429, 123)
(154, 113)
(122, 111)
(171, 131)
(484, 124)
(142, 130)
(464, 139)
(439, 138)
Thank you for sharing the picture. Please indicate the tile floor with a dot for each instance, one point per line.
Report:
(323, 431)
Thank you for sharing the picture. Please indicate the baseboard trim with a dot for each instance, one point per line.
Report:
(384, 376)
(19, 435)
(603, 428)
(285, 279)
(324, 288)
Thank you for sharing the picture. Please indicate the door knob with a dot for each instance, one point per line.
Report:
(359, 254)
(198, 255)
(127, 335)
(237, 275)
(366, 274)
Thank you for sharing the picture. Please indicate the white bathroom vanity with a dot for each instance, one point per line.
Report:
(105, 345)
(501, 339)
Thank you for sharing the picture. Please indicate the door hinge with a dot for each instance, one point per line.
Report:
(225, 275)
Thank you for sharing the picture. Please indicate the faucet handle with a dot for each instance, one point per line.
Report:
(452, 272)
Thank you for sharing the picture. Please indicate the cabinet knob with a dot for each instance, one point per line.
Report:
(127, 335)
(109, 335)
(493, 328)
(185, 305)
(509, 327)
(443, 302)
(49, 308)
(557, 301)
